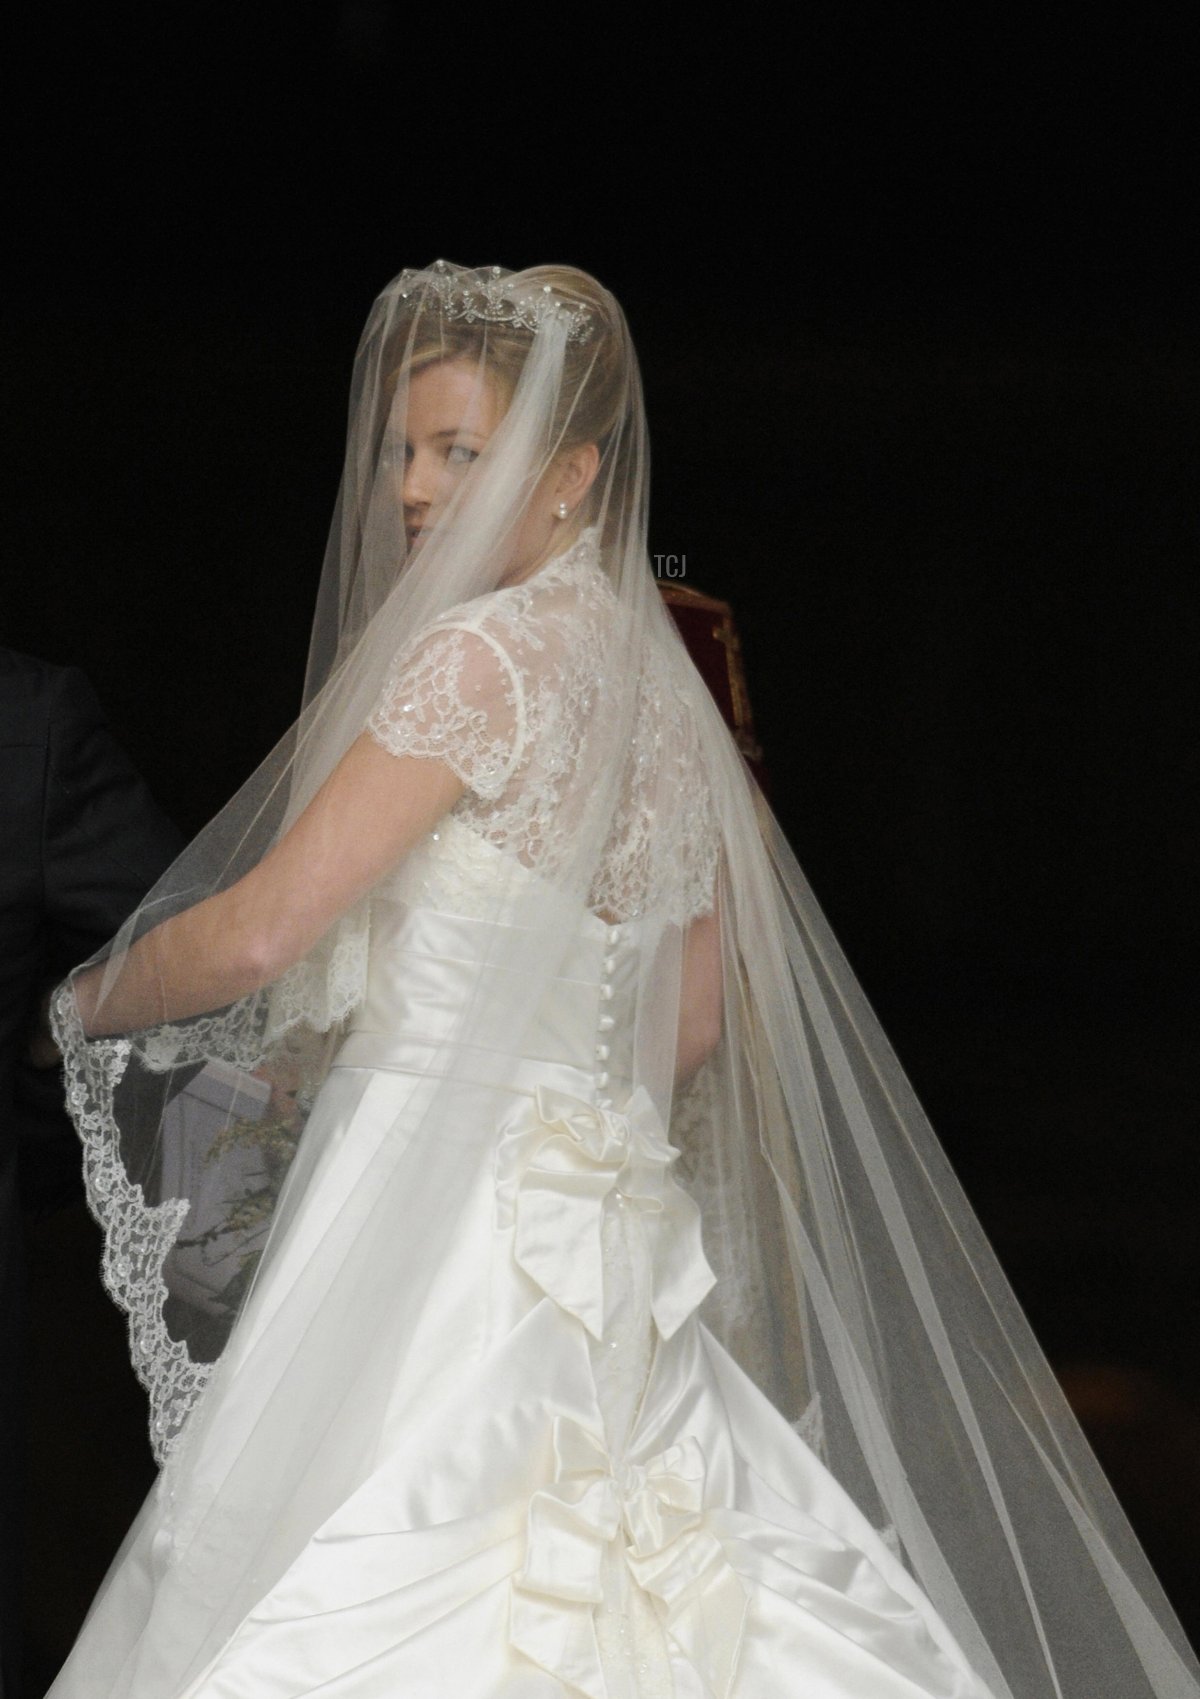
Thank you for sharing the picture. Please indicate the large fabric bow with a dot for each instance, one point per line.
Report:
(557, 1161)
(670, 1551)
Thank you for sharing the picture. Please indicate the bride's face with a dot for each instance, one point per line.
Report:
(453, 410)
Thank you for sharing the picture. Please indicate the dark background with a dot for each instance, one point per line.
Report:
(917, 330)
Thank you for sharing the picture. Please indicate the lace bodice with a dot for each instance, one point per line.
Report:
(509, 690)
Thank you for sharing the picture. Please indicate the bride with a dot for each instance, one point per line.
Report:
(544, 1279)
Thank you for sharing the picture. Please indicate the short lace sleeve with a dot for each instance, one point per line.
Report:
(454, 695)
(702, 855)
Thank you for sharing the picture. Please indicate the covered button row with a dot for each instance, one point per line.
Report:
(606, 1022)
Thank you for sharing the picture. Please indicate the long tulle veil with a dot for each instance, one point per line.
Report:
(854, 1282)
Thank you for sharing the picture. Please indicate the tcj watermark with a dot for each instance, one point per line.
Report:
(670, 566)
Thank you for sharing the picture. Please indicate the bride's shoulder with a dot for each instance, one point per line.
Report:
(557, 607)
(536, 638)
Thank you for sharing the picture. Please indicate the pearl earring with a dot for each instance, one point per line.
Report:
(562, 510)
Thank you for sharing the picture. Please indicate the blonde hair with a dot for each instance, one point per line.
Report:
(599, 374)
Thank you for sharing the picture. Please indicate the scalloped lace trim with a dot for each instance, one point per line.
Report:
(139, 1236)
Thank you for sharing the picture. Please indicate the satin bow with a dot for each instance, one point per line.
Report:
(670, 1551)
(557, 1162)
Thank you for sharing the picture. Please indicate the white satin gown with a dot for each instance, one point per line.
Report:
(575, 1489)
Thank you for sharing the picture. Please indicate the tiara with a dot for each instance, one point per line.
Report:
(491, 302)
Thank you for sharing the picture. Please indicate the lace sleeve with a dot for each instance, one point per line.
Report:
(701, 853)
(702, 847)
(454, 695)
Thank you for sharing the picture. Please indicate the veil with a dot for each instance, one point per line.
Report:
(852, 1280)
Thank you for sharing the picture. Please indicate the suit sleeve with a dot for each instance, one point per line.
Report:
(105, 841)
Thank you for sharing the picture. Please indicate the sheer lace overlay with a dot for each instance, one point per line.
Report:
(508, 690)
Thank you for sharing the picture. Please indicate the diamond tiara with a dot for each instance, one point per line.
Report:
(474, 296)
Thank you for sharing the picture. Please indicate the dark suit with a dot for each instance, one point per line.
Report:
(81, 841)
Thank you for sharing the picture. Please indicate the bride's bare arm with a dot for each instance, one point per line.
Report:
(700, 995)
(371, 811)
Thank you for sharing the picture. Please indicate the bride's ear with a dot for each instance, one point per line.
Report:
(576, 471)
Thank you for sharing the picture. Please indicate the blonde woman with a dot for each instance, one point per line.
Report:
(553, 1286)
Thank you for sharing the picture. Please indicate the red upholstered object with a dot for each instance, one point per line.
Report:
(707, 628)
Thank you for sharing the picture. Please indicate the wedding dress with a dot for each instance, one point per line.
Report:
(533, 1363)
(565, 1446)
